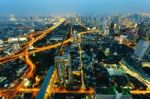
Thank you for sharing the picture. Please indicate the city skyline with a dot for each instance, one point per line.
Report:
(74, 49)
(88, 7)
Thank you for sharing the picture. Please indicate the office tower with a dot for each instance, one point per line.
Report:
(111, 29)
(63, 65)
(13, 18)
(106, 28)
(142, 48)
(74, 36)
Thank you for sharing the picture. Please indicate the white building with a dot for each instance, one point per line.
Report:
(16, 47)
(17, 39)
(22, 39)
(1, 42)
(12, 18)
(32, 30)
(12, 40)
(122, 37)
(106, 32)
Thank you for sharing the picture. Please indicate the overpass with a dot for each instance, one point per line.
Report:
(24, 55)
(80, 91)
(10, 93)
(145, 64)
(140, 91)
(50, 89)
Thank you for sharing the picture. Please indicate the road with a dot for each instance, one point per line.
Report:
(134, 73)
(140, 91)
(81, 65)
(20, 53)
(139, 77)
(80, 91)
(13, 57)
(9, 93)
(24, 55)
(50, 88)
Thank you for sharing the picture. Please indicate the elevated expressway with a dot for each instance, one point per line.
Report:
(24, 55)
(30, 43)
(138, 76)
(50, 89)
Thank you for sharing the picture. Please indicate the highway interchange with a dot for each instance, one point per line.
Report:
(24, 53)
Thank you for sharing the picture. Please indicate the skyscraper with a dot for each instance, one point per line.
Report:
(63, 65)
(13, 18)
(142, 48)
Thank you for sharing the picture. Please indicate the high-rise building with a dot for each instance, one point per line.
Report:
(1, 43)
(106, 28)
(106, 31)
(74, 36)
(13, 18)
(64, 70)
(142, 48)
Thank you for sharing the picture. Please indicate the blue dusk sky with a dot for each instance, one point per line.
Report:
(46, 7)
